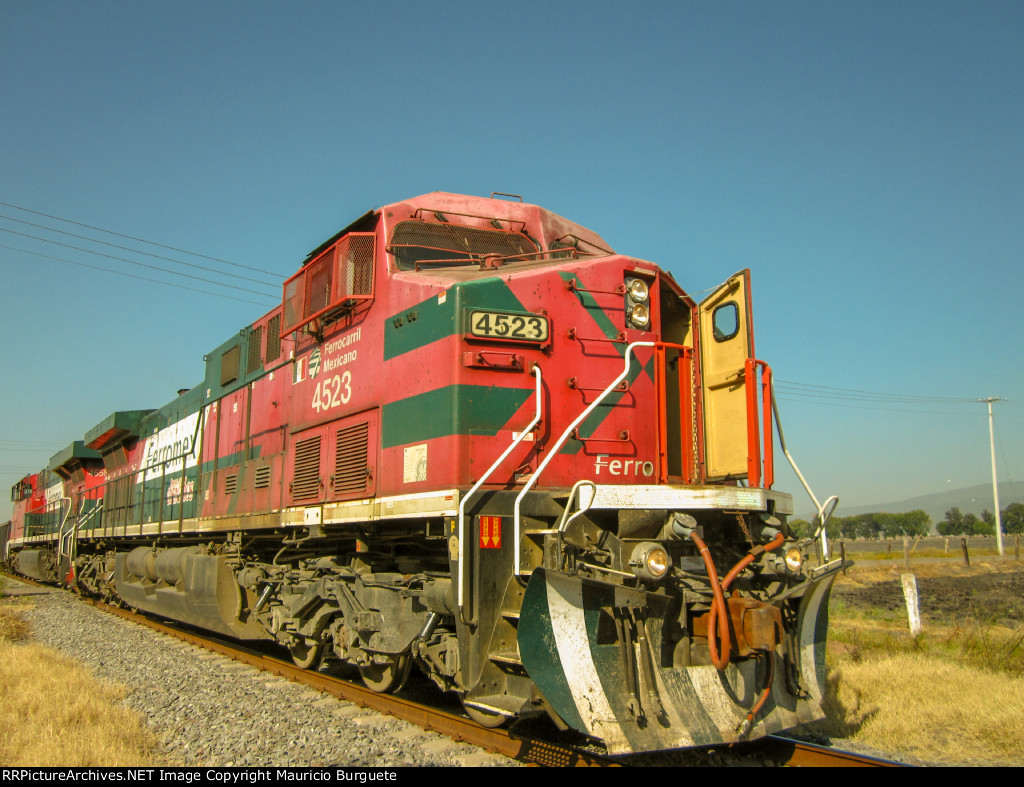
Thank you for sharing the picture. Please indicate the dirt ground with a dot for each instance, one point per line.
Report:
(989, 591)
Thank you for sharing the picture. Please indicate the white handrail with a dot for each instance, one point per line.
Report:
(819, 506)
(538, 394)
(69, 537)
(577, 489)
(553, 451)
(60, 527)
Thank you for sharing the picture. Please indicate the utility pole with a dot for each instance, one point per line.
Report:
(995, 486)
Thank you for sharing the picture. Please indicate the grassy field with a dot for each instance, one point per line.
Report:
(953, 694)
(55, 713)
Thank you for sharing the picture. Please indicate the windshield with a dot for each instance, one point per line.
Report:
(419, 243)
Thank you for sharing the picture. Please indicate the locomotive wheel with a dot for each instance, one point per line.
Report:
(387, 676)
(484, 718)
(307, 654)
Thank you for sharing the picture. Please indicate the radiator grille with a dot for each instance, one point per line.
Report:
(306, 478)
(355, 256)
(230, 483)
(350, 459)
(319, 283)
(418, 241)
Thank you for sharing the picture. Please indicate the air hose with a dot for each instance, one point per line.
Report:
(718, 615)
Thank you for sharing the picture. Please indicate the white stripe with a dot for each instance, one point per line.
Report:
(565, 605)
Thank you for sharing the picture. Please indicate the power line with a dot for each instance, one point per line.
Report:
(133, 262)
(134, 251)
(822, 401)
(25, 442)
(825, 391)
(140, 278)
(140, 240)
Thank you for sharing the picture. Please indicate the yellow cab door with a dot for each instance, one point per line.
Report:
(726, 342)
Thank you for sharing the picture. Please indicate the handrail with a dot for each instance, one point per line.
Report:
(553, 451)
(71, 536)
(582, 506)
(463, 573)
(753, 454)
(685, 414)
(820, 507)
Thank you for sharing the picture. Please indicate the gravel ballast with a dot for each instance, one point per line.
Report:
(212, 711)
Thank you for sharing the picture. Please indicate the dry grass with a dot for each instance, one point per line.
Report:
(55, 713)
(934, 710)
(13, 627)
(954, 694)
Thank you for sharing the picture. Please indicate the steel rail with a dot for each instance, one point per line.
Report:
(522, 748)
(799, 754)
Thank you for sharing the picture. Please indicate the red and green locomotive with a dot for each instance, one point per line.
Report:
(475, 441)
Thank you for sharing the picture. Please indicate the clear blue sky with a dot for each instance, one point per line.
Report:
(863, 159)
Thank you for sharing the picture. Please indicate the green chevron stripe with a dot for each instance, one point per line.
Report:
(597, 313)
(605, 324)
(455, 409)
(430, 321)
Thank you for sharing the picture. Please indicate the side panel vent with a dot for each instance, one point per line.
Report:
(350, 459)
(262, 478)
(229, 365)
(254, 361)
(306, 475)
(115, 458)
(274, 338)
(230, 483)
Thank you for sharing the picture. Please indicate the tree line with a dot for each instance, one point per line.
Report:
(957, 523)
(915, 523)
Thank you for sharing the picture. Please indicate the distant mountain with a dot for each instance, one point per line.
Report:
(972, 500)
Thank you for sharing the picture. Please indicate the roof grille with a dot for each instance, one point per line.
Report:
(414, 242)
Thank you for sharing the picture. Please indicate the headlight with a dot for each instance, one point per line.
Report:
(639, 315)
(638, 290)
(794, 560)
(650, 561)
(638, 305)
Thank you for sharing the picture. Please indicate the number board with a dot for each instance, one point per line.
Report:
(508, 326)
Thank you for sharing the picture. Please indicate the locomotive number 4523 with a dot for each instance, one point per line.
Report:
(515, 327)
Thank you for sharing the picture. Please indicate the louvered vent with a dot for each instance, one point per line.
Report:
(262, 479)
(229, 365)
(230, 483)
(350, 459)
(274, 338)
(306, 478)
(254, 361)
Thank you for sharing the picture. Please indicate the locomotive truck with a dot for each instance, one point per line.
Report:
(475, 441)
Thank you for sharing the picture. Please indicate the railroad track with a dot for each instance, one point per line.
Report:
(514, 744)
